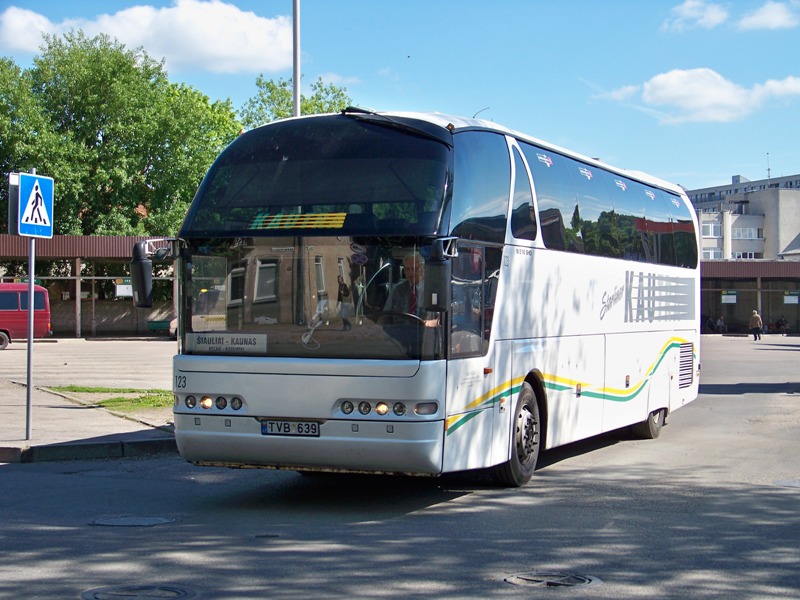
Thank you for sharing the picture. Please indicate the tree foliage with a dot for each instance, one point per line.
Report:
(275, 100)
(126, 147)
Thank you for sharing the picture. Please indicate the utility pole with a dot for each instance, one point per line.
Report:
(296, 50)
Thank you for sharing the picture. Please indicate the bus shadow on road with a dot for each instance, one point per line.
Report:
(736, 389)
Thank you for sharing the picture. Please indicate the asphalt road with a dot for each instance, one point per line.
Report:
(709, 510)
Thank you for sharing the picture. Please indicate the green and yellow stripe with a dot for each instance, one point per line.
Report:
(562, 384)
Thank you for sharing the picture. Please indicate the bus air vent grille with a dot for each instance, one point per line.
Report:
(686, 366)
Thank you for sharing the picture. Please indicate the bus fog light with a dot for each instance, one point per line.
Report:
(399, 409)
(382, 408)
(221, 403)
(206, 402)
(426, 408)
(236, 403)
(347, 407)
(191, 401)
(364, 408)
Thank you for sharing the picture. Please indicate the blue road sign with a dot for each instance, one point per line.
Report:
(35, 206)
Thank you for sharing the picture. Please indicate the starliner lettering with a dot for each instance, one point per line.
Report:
(609, 300)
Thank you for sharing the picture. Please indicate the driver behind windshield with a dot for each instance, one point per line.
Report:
(406, 293)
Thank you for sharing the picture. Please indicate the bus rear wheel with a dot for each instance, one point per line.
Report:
(525, 442)
(3, 340)
(650, 428)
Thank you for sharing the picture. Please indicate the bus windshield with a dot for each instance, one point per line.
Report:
(315, 297)
(335, 174)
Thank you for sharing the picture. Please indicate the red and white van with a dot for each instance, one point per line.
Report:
(14, 312)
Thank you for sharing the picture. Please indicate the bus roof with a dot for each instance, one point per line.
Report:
(455, 124)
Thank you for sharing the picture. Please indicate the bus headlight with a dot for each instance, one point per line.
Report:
(221, 403)
(347, 407)
(399, 409)
(236, 403)
(191, 401)
(206, 402)
(364, 408)
(382, 408)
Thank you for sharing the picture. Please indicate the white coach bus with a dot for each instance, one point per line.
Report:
(422, 294)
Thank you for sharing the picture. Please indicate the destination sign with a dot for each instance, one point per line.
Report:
(213, 342)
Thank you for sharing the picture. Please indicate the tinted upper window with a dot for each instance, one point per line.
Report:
(583, 208)
(325, 175)
(481, 184)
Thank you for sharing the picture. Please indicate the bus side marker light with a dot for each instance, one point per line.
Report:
(578, 390)
(627, 381)
(426, 408)
(503, 404)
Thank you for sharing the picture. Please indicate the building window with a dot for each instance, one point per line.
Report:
(236, 286)
(713, 230)
(744, 233)
(712, 254)
(267, 281)
(320, 274)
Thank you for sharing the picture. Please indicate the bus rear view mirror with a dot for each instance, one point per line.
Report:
(141, 276)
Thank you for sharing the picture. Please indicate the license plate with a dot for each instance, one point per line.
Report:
(296, 428)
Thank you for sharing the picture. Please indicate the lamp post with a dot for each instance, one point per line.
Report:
(296, 56)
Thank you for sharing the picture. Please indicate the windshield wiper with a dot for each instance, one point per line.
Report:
(402, 124)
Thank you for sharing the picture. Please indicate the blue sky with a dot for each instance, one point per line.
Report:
(692, 91)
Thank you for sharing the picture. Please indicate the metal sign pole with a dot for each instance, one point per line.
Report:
(29, 381)
(31, 314)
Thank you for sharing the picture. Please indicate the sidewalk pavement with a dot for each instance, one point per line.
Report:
(64, 428)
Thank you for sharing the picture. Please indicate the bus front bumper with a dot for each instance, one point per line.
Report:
(413, 448)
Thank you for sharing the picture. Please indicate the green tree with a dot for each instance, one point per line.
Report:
(275, 100)
(133, 146)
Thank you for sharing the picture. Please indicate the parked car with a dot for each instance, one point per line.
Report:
(14, 312)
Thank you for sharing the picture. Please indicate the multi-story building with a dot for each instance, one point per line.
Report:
(750, 250)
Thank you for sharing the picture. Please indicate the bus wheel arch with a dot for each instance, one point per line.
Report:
(526, 437)
(4, 340)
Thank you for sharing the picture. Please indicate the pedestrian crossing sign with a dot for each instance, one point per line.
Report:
(35, 206)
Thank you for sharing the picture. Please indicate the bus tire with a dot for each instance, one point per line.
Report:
(525, 442)
(650, 428)
(4, 340)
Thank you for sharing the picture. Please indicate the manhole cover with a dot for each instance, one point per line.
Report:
(552, 579)
(793, 483)
(137, 592)
(132, 521)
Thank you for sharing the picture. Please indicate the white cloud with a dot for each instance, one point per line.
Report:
(339, 80)
(695, 13)
(702, 95)
(208, 34)
(772, 15)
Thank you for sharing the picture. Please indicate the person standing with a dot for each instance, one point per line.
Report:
(343, 303)
(755, 326)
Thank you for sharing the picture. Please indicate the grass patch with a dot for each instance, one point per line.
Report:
(134, 399)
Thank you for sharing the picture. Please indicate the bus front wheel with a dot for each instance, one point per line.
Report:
(4, 339)
(525, 434)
